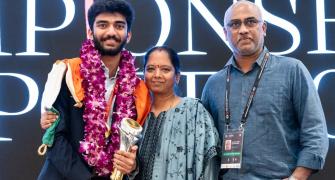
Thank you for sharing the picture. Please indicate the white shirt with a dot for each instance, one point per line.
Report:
(109, 85)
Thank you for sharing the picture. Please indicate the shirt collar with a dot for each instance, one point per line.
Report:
(259, 60)
(104, 67)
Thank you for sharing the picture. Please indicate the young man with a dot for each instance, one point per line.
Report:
(271, 100)
(99, 89)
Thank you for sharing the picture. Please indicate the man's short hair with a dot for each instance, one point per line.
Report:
(111, 6)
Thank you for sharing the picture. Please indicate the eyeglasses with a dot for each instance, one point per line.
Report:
(248, 22)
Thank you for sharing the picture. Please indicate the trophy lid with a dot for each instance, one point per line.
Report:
(130, 126)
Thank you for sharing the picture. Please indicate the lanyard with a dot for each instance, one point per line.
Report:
(110, 103)
(251, 96)
(110, 100)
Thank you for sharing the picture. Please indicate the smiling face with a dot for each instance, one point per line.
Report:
(110, 33)
(244, 28)
(160, 75)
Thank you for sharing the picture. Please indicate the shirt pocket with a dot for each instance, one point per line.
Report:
(270, 99)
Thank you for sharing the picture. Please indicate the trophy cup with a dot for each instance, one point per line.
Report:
(130, 132)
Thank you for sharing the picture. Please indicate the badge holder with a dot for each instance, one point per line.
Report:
(232, 147)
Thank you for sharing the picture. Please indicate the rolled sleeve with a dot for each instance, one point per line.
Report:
(311, 161)
(313, 133)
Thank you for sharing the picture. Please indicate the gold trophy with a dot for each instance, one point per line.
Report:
(130, 131)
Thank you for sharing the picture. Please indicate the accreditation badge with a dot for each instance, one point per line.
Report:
(232, 147)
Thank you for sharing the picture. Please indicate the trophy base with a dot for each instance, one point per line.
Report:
(116, 175)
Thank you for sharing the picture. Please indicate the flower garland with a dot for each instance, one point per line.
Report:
(97, 149)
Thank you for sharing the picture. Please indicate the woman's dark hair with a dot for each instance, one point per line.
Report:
(111, 6)
(173, 56)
